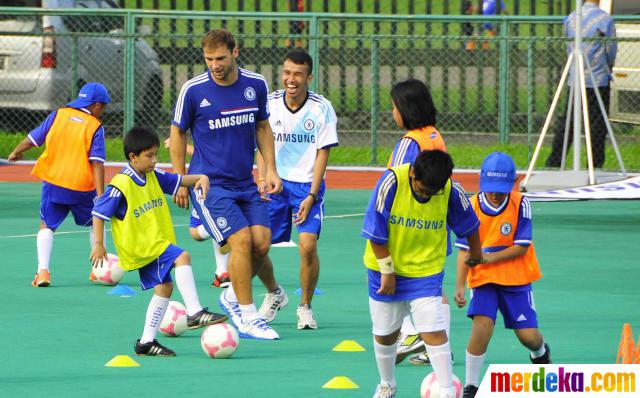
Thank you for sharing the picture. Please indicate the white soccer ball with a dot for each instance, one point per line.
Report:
(219, 341)
(107, 272)
(431, 389)
(174, 322)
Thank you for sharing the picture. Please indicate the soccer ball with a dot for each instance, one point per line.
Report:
(431, 389)
(174, 322)
(107, 272)
(219, 341)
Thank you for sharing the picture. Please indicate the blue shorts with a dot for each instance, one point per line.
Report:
(54, 209)
(159, 270)
(514, 302)
(284, 205)
(194, 221)
(225, 212)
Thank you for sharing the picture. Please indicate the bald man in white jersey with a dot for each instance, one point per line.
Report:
(227, 113)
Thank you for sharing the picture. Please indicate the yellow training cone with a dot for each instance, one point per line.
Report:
(340, 382)
(349, 346)
(121, 361)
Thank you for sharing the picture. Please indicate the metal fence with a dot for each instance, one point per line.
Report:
(490, 92)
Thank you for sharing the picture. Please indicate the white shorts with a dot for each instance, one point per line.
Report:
(427, 314)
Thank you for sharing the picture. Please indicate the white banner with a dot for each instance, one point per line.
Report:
(560, 380)
(625, 189)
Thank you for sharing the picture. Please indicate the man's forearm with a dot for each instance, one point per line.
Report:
(319, 168)
(178, 149)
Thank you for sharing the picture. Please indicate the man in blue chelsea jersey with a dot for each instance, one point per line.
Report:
(226, 111)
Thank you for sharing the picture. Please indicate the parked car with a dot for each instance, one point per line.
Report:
(36, 72)
(625, 89)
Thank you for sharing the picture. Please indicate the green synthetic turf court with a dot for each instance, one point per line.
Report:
(55, 341)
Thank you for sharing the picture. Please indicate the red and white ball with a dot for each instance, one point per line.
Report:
(174, 322)
(107, 272)
(219, 341)
(431, 389)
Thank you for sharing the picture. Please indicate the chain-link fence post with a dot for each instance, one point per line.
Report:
(503, 105)
(375, 98)
(129, 71)
(74, 67)
(530, 97)
(314, 50)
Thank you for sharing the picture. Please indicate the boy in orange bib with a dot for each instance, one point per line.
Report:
(502, 280)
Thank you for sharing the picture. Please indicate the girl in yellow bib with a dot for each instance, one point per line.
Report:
(502, 281)
(406, 230)
(142, 230)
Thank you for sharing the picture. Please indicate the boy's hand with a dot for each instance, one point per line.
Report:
(262, 189)
(201, 187)
(387, 284)
(459, 298)
(98, 254)
(14, 157)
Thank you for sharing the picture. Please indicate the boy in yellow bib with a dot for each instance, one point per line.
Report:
(406, 228)
(502, 281)
(142, 229)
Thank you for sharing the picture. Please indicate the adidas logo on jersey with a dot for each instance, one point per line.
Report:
(204, 103)
(278, 123)
(521, 318)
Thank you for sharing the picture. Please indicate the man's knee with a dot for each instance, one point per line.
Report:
(240, 241)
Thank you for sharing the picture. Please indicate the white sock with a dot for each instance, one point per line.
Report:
(187, 287)
(539, 352)
(407, 327)
(248, 311)
(155, 312)
(386, 360)
(230, 294)
(473, 366)
(202, 232)
(221, 259)
(440, 357)
(44, 243)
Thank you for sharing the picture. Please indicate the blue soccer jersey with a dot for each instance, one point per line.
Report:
(222, 120)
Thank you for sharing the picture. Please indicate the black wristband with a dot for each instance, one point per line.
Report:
(314, 196)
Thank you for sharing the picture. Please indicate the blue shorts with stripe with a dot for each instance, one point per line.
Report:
(158, 271)
(224, 212)
(284, 205)
(55, 207)
(515, 303)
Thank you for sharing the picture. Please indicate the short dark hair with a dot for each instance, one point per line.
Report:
(433, 168)
(300, 57)
(413, 100)
(139, 139)
(218, 37)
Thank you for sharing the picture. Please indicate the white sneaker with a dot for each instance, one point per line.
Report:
(257, 329)
(305, 317)
(231, 308)
(273, 302)
(384, 390)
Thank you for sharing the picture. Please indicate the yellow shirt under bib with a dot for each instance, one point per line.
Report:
(146, 230)
(417, 231)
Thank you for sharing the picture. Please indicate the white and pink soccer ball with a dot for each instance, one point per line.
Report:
(219, 341)
(431, 389)
(174, 322)
(107, 272)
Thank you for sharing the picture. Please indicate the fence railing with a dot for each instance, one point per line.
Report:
(491, 92)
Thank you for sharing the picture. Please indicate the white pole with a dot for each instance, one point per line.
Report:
(577, 92)
(585, 115)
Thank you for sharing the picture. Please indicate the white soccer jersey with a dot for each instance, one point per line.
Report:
(299, 134)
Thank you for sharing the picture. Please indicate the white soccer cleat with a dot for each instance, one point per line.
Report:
(273, 302)
(257, 329)
(231, 308)
(305, 318)
(384, 390)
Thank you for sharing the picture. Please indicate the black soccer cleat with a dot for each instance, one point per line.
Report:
(469, 391)
(545, 359)
(153, 348)
(204, 318)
